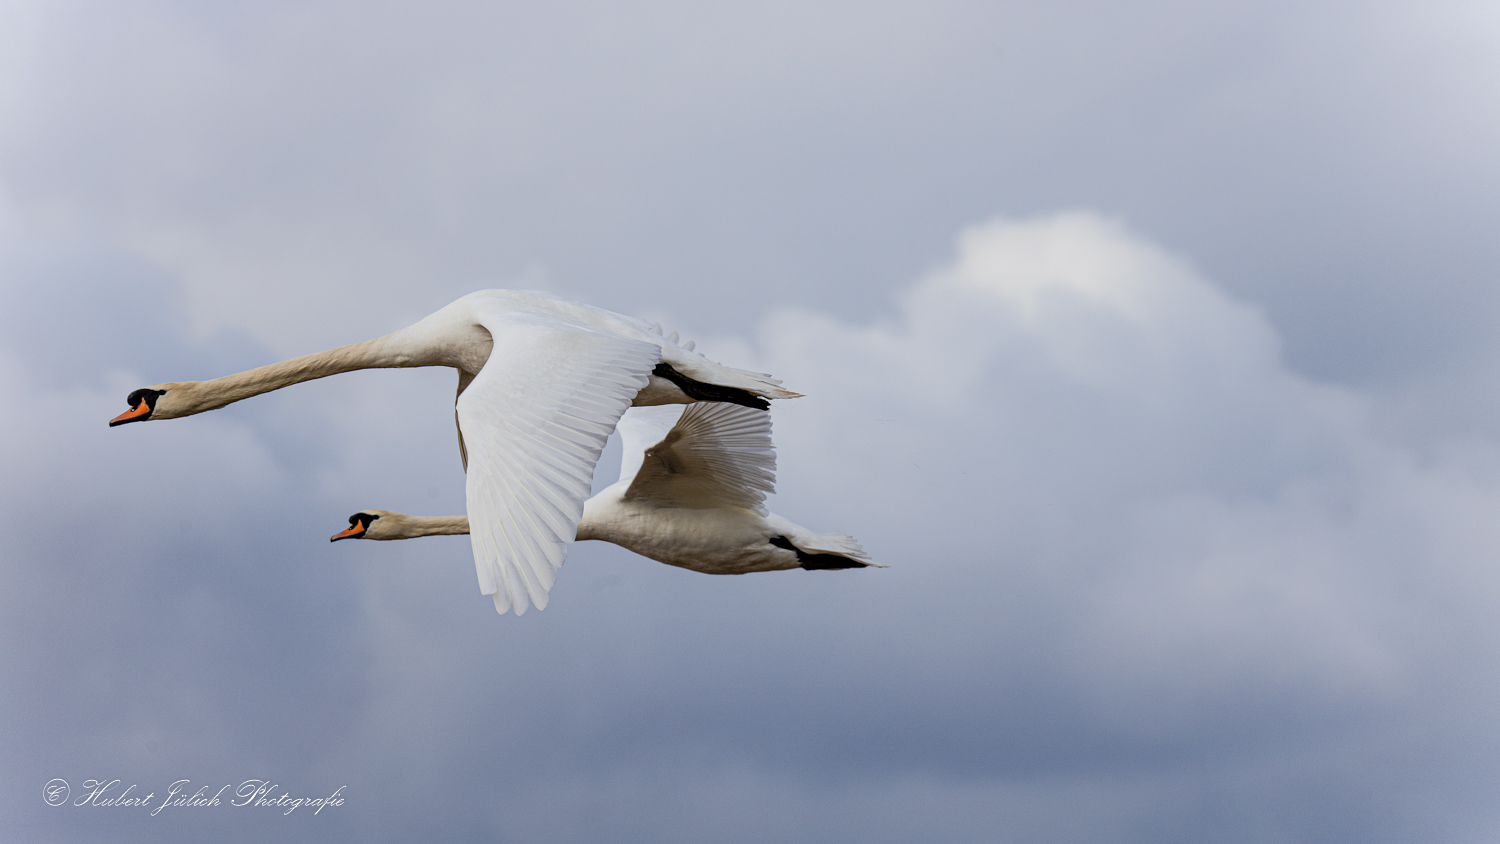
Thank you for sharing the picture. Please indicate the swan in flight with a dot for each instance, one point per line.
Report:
(691, 493)
(530, 427)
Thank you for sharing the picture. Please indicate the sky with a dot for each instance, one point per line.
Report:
(1151, 345)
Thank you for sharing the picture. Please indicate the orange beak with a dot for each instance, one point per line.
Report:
(134, 413)
(348, 533)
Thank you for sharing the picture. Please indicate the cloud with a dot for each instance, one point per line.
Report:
(288, 162)
(1181, 550)
(1146, 582)
(1070, 414)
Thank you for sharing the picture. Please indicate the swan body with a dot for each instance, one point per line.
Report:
(691, 494)
(692, 491)
(541, 383)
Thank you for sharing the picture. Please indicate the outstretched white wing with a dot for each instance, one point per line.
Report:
(534, 421)
(715, 455)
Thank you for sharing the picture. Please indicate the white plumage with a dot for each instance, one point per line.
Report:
(692, 489)
(542, 382)
(691, 493)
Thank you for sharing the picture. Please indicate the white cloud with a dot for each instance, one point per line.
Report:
(1068, 402)
(1073, 442)
(1136, 560)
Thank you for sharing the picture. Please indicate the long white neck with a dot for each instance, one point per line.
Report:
(393, 350)
(402, 526)
(393, 525)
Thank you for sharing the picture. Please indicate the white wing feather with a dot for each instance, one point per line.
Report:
(534, 421)
(715, 455)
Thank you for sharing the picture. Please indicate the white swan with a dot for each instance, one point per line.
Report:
(691, 493)
(531, 425)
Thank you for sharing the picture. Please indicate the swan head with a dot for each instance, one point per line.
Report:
(359, 526)
(166, 401)
(142, 403)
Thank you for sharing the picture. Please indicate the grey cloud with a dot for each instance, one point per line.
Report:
(1157, 574)
(1137, 563)
(1330, 162)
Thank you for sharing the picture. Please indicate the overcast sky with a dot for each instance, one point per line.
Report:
(1151, 344)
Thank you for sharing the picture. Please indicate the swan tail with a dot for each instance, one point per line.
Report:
(752, 387)
(762, 384)
(820, 550)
